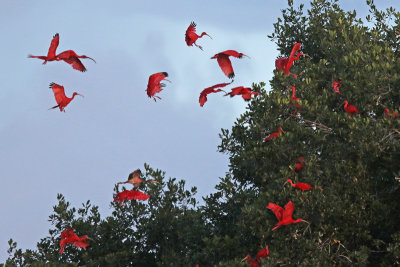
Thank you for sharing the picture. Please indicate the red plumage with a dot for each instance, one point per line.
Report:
(350, 108)
(69, 237)
(284, 64)
(284, 215)
(191, 35)
(336, 86)
(129, 195)
(391, 114)
(263, 253)
(244, 91)
(302, 186)
(154, 85)
(273, 135)
(299, 165)
(225, 63)
(61, 99)
(209, 90)
(280, 63)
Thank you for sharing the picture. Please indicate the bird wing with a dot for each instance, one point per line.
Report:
(289, 64)
(226, 65)
(59, 92)
(281, 62)
(277, 210)
(288, 212)
(220, 85)
(76, 63)
(67, 233)
(137, 195)
(135, 174)
(202, 99)
(232, 53)
(53, 46)
(191, 35)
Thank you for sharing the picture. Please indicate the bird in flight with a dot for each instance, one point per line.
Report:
(136, 180)
(284, 215)
(61, 99)
(68, 56)
(274, 135)
(284, 64)
(191, 36)
(209, 90)
(154, 85)
(121, 197)
(225, 63)
(302, 186)
(244, 91)
(350, 108)
(69, 237)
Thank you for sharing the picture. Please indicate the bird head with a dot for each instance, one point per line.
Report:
(75, 93)
(89, 58)
(243, 55)
(346, 102)
(281, 130)
(288, 181)
(204, 33)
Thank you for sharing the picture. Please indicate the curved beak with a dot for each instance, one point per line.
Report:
(208, 35)
(246, 56)
(244, 259)
(167, 80)
(92, 59)
(80, 95)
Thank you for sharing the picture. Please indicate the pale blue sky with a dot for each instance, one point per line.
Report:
(101, 138)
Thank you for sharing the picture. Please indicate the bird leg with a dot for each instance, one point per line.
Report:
(201, 48)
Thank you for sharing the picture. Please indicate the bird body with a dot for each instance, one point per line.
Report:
(69, 237)
(284, 64)
(225, 63)
(154, 85)
(336, 86)
(274, 135)
(61, 99)
(209, 90)
(392, 114)
(284, 215)
(280, 63)
(302, 186)
(51, 54)
(350, 108)
(191, 36)
(136, 180)
(244, 91)
(263, 253)
(299, 165)
(121, 197)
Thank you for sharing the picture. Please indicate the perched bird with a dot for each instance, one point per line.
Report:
(209, 90)
(284, 215)
(135, 179)
(253, 263)
(61, 99)
(263, 253)
(284, 63)
(294, 98)
(302, 186)
(244, 91)
(69, 237)
(299, 165)
(392, 114)
(191, 35)
(350, 108)
(121, 197)
(68, 56)
(273, 135)
(154, 85)
(225, 63)
(336, 86)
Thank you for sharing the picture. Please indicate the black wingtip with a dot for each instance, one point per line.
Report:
(231, 75)
(51, 85)
(165, 74)
(193, 23)
(55, 35)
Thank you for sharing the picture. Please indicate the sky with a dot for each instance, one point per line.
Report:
(116, 128)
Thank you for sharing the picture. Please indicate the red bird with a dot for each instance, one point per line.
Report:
(302, 186)
(244, 91)
(263, 253)
(209, 90)
(69, 237)
(350, 108)
(225, 63)
(154, 85)
(392, 114)
(284, 216)
(68, 56)
(291, 59)
(273, 135)
(135, 179)
(61, 99)
(129, 195)
(253, 263)
(191, 35)
(299, 165)
(281, 62)
(294, 98)
(336, 86)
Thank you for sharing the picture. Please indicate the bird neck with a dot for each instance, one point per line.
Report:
(297, 221)
(290, 182)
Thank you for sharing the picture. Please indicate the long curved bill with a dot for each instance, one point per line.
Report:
(167, 80)
(208, 36)
(92, 59)
(246, 56)
(80, 95)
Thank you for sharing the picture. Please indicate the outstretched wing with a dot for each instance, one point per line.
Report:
(75, 63)
(67, 233)
(226, 65)
(135, 174)
(190, 33)
(288, 212)
(53, 46)
(59, 92)
(277, 210)
(137, 195)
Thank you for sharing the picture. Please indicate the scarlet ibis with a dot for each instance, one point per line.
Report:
(336, 86)
(294, 98)
(69, 237)
(263, 253)
(392, 114)
(51, 54)
(191, 35)
(350, 108)
(274, 135)
(154, 85)
(135, 179)
(302, 186)
(244, 91)
(284, 215)
(280, 63)
(292, 58)
(68, 56)
(209, 90)
(299, 165)
(129, 195)
(253, 263)
(61, 99)
(225, 63)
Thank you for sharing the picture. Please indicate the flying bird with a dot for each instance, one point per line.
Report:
(154, 85)
(68, 56)
(69, 237)
(244, 91)
(350, 108)
(191, 35)
(274, 135)
(61, 99)
(336, 86)
(209, 90)
(302, 186)
(284, 215)
(299, 165)
(284, 63)
(391, 114)
(225, 63)
(280, 63)
(121, 197)
(135, 179)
